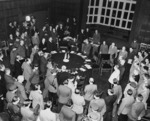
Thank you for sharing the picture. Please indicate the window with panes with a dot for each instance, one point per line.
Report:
(113, 13)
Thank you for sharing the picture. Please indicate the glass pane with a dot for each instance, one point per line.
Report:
(96, 10)
(129, 25)
(102, 20)
(131, 16)
(103, 11)
(115, 4)
(108, 12)
(90, 19)
(117, 22)
(127, 6)
(112, 21)
(97, 2)
(104, 3)
(106, 20)
(125, 15)
(95, 18)
(123, 23)
(114, 13)
(133, 7)
(91, 10)
(121, 5)
(119, 14)
(109, 3)
(92, 2)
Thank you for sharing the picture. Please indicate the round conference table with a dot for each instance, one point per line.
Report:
(75, 62)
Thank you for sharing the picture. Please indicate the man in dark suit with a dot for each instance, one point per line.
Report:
(17, 67)
(109, 100)
(62, 75)
(81, 38)
(66, 113)
(64, 95)
(43, 64)
(8, 78)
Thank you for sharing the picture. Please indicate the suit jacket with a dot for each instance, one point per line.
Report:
(9, 81)
(66, 114)
(137, 109)
(101, 105)
(37, 98)
(47, 115)
(62, 76)
(78, 103)
(89, 91)
(27, 71)
(118, 92)
(36, 59)
(43, 64)
(64, 94)
(110, 100)
(126, 105)
(10, 96)
(3, 89)
(18, 69)
(21, 91)
(13, 55)
(21, 51)
(27, 114)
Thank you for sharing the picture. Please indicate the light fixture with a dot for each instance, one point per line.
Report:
(27, 18)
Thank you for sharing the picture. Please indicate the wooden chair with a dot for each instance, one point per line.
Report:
(143, 46)
(5, 47)
(106, 66)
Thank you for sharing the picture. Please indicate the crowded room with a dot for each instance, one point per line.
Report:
(74, 60)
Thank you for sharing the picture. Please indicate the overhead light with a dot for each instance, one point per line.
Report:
(27, 18)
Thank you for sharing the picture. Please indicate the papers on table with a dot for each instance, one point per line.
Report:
(84, 56)
(88, 60)
(72, 52)
(53, 52)
(82, 69)
(78, 53)
(88, 66)
(66, 60)
(63, 51)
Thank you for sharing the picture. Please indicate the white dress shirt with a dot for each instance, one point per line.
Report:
(115, 74)
(47, 115)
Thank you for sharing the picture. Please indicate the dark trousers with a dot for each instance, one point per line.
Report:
(86, 107)
(108, 116)
(53, 97)
(122, 117)
(60, 105)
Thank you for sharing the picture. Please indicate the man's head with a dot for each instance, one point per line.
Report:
(2, 67)
(20, 78)
(139, 98)
(7, 71)
(129, 92)
(91, 80)
(15, 100)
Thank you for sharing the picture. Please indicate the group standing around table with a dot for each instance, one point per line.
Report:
(36, 90)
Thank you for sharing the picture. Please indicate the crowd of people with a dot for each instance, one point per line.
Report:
(32, 88)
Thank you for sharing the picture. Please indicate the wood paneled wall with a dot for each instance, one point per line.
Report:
(11, 10)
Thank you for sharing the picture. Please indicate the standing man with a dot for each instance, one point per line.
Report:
(96, 41)
(89, 93)
(137, 110)
(125, 106)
